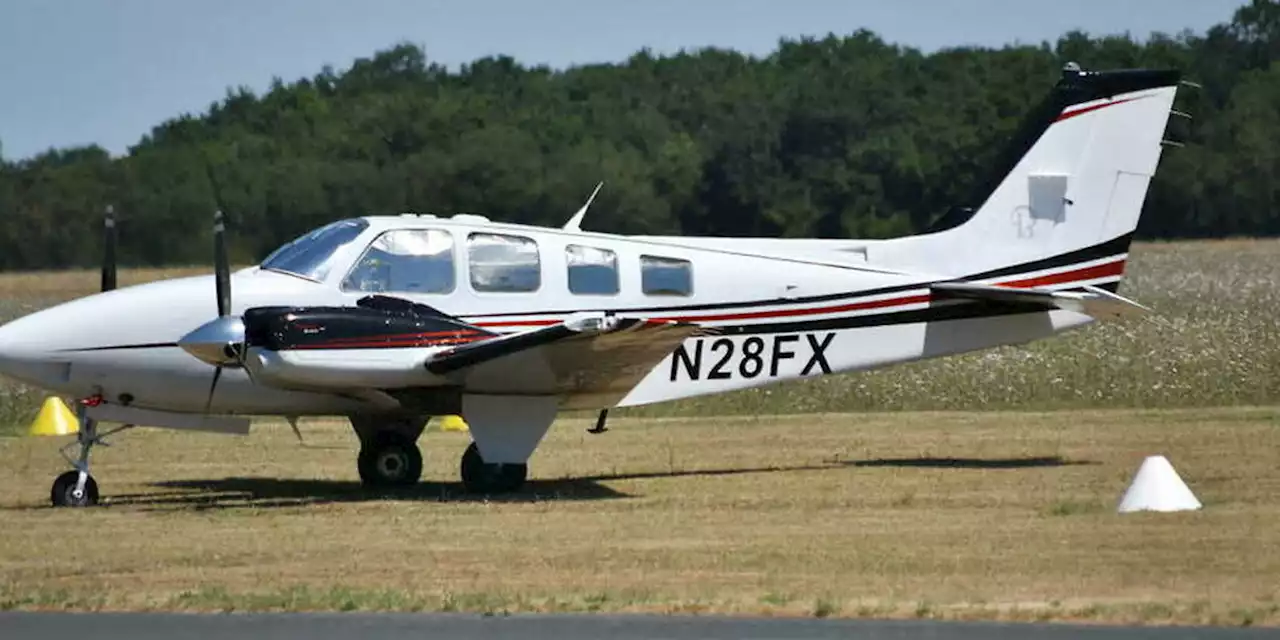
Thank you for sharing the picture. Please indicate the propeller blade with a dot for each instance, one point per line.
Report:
(217, 373)
(222, 271)
(109, 249)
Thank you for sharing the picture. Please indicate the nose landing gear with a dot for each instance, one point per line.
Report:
(76, 488)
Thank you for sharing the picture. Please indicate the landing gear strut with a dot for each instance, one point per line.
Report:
(76, 488)
(479, 476)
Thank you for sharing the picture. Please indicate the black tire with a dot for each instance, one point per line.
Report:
(63, 493)
(390, 460)
(483, 477)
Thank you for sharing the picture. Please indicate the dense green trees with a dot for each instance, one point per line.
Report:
(834, 137)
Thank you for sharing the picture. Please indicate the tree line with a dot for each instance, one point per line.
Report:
(842, 136)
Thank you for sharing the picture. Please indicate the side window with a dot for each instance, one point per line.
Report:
(666, 276)
(591, 270)
(503, 263)
(405, 261)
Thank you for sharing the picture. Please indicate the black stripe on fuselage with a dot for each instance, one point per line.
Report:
(125, 347)
(939, 312)
(1114, 246)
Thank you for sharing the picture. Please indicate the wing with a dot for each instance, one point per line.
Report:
(1099, 303)
(589, 361)
(387, 351)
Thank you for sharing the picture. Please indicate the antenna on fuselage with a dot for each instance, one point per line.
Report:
(575, 223)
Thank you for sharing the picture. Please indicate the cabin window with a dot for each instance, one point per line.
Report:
(405, 261)
(666, 276)
(503, 263)
(592, 271)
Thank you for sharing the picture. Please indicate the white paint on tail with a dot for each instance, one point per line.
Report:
(1082, 183)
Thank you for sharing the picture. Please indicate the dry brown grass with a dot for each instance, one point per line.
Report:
(74, 283)
(824, 514)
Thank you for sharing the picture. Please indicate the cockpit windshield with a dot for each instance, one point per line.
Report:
(309, 255)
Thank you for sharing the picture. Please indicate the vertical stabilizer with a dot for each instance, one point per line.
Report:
(1067, 189)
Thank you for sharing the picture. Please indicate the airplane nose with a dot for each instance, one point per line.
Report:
(24, 354)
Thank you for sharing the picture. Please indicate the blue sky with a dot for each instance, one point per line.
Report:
(106, 71)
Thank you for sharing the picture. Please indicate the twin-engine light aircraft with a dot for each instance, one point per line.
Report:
(390, 320)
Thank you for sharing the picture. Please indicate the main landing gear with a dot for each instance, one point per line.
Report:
(389, 455)
(76, 488)
(389, 458)
(479, 476)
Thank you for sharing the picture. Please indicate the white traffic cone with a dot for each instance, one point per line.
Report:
(1157, 487)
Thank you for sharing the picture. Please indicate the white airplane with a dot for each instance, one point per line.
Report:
(390, 320)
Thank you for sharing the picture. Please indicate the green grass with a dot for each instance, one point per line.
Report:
(1212, 341)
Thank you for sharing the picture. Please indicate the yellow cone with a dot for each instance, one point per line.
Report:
(453, 423)
(54, 419)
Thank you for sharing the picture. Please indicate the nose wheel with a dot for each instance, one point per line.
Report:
(76, 488)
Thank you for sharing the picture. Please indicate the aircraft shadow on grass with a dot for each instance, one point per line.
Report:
(266, 492)
(283, 492)
(971, 463)
(260, 492)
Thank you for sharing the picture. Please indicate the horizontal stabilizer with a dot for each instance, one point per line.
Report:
(1093, 301)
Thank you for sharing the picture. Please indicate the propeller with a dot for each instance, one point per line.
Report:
(208, 402)
(221, 268)
(221, 341)
(109, 249)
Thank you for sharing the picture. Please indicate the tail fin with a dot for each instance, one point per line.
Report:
(1069, 187)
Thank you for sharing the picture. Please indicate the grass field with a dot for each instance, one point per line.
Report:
(940, 515)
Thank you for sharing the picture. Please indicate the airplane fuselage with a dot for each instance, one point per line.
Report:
(781, 315)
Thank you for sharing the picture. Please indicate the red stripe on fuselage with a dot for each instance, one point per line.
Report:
(1113, 268)
(783, 313)
(408, 343)
(1088, 273)
(426, 335)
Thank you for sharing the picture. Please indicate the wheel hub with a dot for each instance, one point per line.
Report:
(392, 464)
